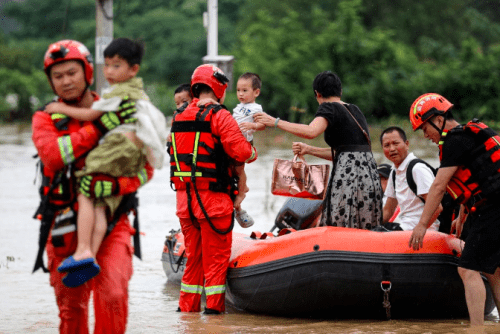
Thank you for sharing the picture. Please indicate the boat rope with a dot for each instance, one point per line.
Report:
(386, 287)
(171, 241)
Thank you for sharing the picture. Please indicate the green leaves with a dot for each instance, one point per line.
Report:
(386, 52)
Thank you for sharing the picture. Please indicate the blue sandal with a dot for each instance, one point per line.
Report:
(70, 264)
(80, 276)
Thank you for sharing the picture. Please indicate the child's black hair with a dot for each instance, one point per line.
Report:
(127, 49)
(327, 84)
(185, 87)
(256, 82)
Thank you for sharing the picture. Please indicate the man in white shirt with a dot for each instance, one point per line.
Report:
(396, 148)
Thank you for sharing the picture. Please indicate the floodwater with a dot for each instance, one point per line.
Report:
(27, 303)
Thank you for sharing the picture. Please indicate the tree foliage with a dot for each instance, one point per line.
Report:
(386, 52)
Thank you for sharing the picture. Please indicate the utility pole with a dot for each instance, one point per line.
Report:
(104, 36)
(213, 28)
(210, 22)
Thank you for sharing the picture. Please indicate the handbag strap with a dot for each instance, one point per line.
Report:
(355, 120)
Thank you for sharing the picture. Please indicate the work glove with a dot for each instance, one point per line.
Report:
(99, 186)
(143, 176)
(110, 120)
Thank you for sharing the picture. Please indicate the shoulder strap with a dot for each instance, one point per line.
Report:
(130, 202)
(409, 175)
(355, 120)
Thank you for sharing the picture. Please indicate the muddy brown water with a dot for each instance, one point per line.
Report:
(27, 303)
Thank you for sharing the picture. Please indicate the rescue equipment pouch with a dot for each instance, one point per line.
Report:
(64, 232)
(129, 203)
(472, 184)
(56, 195)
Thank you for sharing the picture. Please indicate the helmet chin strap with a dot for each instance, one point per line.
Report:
(440, 131)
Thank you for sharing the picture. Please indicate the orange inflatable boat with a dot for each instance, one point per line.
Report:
(338, 272)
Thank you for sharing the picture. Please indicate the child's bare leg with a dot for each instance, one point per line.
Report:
(85, 227)
(100, 228)
(242, 186)
(133, 137)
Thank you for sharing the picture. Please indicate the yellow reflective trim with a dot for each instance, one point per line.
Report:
(214, 290)
(191, 288)
(66, 149)
(187, 174)
(424, 97)
(57, 116)
(195, 151)
(252, 156)
(174, 146)
(452, 192)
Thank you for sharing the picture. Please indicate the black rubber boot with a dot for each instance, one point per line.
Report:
(178, 309)
(210, 311)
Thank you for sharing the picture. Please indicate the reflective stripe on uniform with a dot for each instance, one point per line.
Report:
(215, 289)
(252, 156)
(191, 288)
(178, 173)
(187, 174)
(66, 149)
(174, 146)
(195, 151)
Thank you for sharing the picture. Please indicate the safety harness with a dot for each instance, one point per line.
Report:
(58, 196)
(198, 160)
(472, 184)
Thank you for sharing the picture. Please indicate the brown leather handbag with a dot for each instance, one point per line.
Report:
(295, 178)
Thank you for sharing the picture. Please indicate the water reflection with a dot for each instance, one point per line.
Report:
(27, 302)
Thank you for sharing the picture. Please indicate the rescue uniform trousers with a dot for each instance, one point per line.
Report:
(208, 255)
(110, 286)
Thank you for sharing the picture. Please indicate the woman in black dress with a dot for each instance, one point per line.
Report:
(354, 196)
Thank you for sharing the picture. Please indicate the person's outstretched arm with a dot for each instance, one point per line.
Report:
(311, 131)
(319, 152)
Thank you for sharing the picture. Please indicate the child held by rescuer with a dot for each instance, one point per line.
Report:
(182, 94)
(182, 97)
(247, 90)
(124, 151)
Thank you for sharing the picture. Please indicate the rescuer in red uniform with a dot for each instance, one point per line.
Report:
(62, 144)
(470, 173)
(204, 139)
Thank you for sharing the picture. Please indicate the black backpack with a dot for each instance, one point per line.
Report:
(450, 209)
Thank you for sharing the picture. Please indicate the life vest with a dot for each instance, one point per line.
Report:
(58, 189)
(473, 183)
(196, 154)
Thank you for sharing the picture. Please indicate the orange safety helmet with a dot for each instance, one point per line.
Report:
(212, 76)
(425, 107)
(69, 50)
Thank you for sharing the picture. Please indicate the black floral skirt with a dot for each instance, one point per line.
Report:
(354, 195)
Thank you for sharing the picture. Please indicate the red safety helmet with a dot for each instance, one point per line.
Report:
(425, 107)
(212, 76)
(69, 50)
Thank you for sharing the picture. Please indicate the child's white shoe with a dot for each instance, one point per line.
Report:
(244, 219)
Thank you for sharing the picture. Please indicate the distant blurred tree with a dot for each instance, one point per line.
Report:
(21, 78)
(386, 52)
(383, 69)
(173, 31)
(287, 54)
